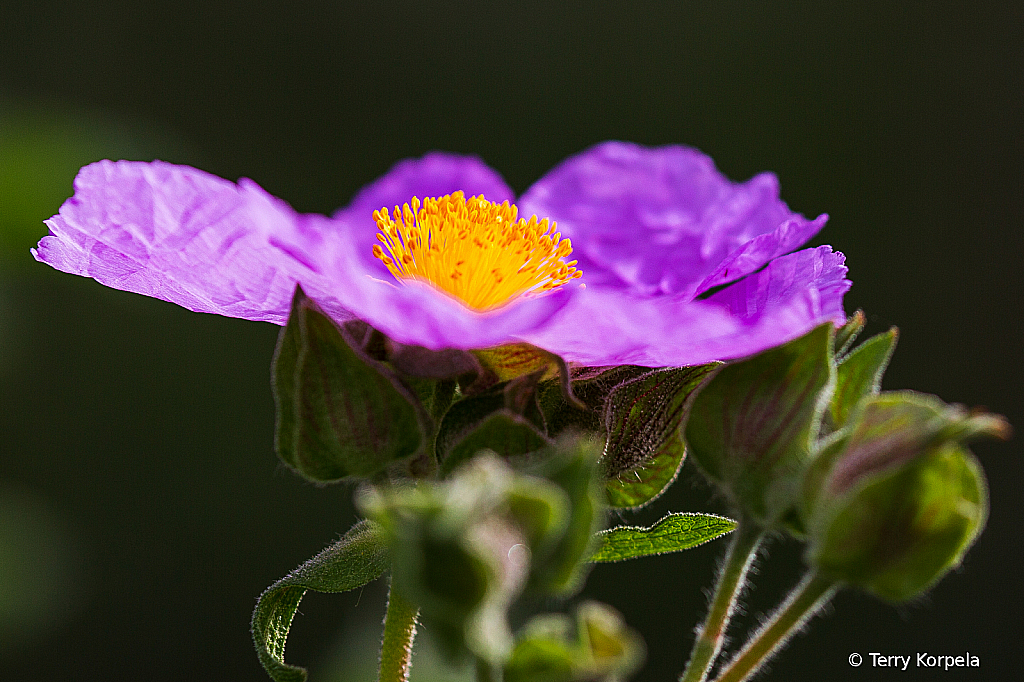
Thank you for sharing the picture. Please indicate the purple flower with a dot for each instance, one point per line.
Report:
(679, 265)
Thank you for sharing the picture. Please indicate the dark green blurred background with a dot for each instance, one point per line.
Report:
(142, 509)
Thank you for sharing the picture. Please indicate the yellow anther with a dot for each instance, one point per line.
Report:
(507, 257)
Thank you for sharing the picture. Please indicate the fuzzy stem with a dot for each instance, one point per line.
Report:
(809, 597)
(739, 557)
(399, 632)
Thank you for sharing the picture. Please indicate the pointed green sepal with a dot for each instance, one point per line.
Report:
(340, 413)
(673, 533)
(355, 560)
(860, 374)
(848, 333)
(642, 418)
(752, 427)
(591, 387)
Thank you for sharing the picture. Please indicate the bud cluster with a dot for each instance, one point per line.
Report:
(880, 485)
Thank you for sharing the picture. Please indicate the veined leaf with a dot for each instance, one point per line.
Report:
(674, 533)
(339, 412)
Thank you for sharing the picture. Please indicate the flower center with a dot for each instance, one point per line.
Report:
(473, 249)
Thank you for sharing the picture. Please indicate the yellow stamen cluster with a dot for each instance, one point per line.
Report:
(473, 249)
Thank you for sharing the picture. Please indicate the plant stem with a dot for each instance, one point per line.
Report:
(399, 632)
(441, 400)
(804, 601)
(738, 558)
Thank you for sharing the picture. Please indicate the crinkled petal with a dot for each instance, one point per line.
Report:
(820, 271)
(185, 236)
(643, 222)
(760, 250)
(608, 326)
(662, 220)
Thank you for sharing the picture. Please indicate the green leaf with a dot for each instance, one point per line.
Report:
(859, 374)
(644, 483)
(358, 558)
(752, 427)
(642, 418)
(591, 387)
(484, 422)
(673, 533)
(339, 412)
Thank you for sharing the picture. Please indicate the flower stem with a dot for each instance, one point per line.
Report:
(738, 558)
(804, 601)
(399, 632)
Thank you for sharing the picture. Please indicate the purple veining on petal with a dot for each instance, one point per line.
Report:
(660, 220)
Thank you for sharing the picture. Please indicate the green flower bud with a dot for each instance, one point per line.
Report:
(895, 499)
(456, 552)
(463, 549)
(598, 647)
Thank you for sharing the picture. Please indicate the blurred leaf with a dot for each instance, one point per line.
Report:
(358, 558)
(596, 646)
(40, 581)
(673, 533)
(573, 466)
